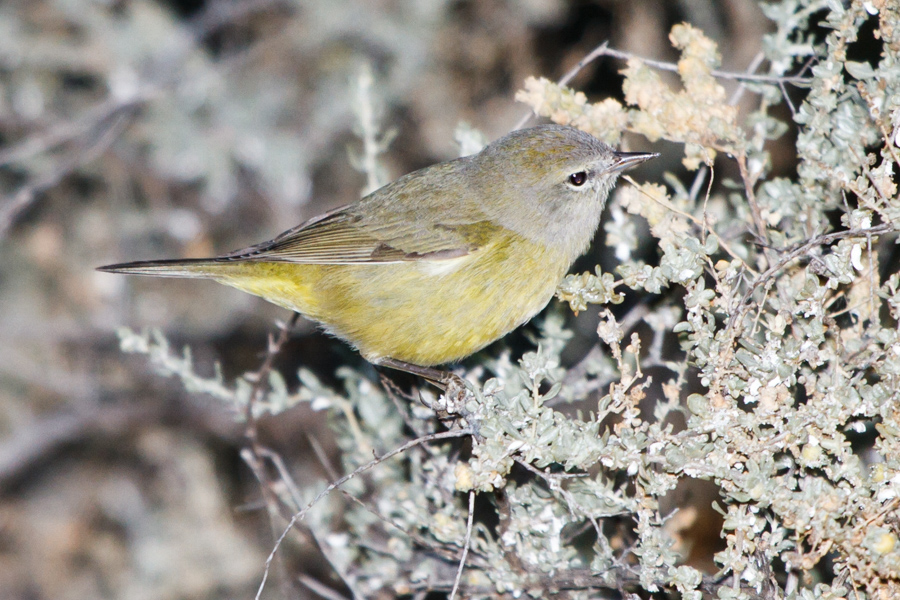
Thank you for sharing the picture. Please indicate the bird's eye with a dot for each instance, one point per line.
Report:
(578, 179)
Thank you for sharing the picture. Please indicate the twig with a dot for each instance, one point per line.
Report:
(260, 377)
(319, 588)
(395, 394)
(284, 475)
(794, 253)
(465, 552)
(108, 119)
(254, 453)
(698, 181)
(761, 231)
(707, 227)
(323, 460)
(604, 50)
(553, 481)
(692, 219)
(751, 68)
(667, 66)
(591, 57)
(299, 516)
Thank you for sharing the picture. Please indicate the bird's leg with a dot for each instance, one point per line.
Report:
(452, 385)
(436, 377)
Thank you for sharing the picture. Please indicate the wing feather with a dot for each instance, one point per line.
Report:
(409, 219)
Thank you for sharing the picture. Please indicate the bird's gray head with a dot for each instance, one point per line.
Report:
(550, 183)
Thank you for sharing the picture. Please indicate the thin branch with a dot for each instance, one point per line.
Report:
(761, 231)
(261, 376)
(260, 379)
(69, 131)
(443, 550)
(468, 540)
(105, 122)
(667, 66)
(751, 68)
(792, 254)
(253, 455)
(692, 219)
(284, 475)
(604, 50)
(299, 516)
(698, 182)
(591, 57)
(595, 53)
(320, 588)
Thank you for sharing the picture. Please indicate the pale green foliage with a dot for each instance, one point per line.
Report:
(276, 399)
(794, 342)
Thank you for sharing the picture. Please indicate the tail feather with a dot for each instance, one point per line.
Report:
(186, 267)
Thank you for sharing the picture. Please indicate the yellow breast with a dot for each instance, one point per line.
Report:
(422, 312)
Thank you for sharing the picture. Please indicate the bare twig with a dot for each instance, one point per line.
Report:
(254, 453)
(468, 540)
(320, 588)
(591, 57)
(794, 253)
(260, 379)
(699, 223)
(698, 182)
(299, 516)
(604, 50)
(749, 181)
(742, 87)
(284, 475)
(443, 550)
(397, 396)
(667, 66)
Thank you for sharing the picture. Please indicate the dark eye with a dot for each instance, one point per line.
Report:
(578, 179)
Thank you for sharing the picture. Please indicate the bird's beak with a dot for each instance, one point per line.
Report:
(626, 160)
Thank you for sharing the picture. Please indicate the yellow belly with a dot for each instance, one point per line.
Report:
(422, 312)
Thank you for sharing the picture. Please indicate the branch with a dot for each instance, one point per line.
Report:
(336, 484)
(792, 254)
(465, 552)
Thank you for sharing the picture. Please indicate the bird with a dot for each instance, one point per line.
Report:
(441, 262)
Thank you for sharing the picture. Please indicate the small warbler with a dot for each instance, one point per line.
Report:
(441, 262)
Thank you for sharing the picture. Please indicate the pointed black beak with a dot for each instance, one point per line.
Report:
(626, 160)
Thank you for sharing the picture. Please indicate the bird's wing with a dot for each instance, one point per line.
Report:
(410, 219)
(417, 217)
(341, 237)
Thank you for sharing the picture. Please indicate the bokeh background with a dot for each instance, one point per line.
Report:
(138, 129)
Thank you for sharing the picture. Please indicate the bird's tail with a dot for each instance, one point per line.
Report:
(193, 268)
(292, 286)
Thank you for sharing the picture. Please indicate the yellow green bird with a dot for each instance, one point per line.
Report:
(443, 261)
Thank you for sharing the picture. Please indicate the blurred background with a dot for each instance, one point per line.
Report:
(140, 129)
